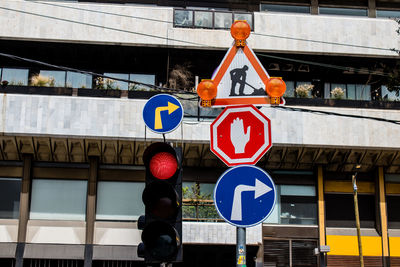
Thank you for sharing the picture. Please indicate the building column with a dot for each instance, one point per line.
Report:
(321, 215)
(381, 197)
(314, 7)
(371, 9)
(91, 209)
(23, 208)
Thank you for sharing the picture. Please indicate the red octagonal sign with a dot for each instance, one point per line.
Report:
(240, 135)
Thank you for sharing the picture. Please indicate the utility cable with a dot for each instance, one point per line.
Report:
(397, 122)
(259, 34)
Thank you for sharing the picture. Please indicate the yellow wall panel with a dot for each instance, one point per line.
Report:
(347, 245)
(394, 246)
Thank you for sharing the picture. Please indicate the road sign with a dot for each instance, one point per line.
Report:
(240, 135)
(244, 195)
(162, 113)
(241, 79)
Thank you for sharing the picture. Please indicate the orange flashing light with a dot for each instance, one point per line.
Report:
(207, 91)
(240, 31)
(276, 87)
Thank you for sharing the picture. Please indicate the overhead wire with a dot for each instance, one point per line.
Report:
(259, 34)
(180, 92)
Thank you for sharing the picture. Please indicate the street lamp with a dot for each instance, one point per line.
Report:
(357, 215)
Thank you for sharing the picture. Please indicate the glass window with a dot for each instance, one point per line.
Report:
(78, 80)
(289, 89)
(143, 78)
(343, 11)
(58, 76)
(393, 207)
(222, 20)
(58, 199)
(203, 19)
(363, 92)
(390, 96)
(244, 16)
(344, 216)
(393, 178)
(300, 92)
(119, 200)
(388, 13)
(16, 76)
(183, 18)
(296, 204)
(114, 84)
(285, 8)
(198, 201)
(10, 190)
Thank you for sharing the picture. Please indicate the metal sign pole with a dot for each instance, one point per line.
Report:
(240, 247)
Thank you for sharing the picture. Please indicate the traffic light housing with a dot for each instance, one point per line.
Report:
(162, 197)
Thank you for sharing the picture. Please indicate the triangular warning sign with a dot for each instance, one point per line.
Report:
(240, 79)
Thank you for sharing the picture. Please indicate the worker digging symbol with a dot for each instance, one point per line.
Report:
(238, 76)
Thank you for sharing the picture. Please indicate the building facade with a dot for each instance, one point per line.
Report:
(72, 134)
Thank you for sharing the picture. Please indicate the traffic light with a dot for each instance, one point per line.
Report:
(162, 197)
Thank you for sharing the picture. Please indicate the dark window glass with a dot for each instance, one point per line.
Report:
(393, 208)
(343, 11)
(340, 210)
(285, 8)
(10, 190)
(276, 253)
(303, 253)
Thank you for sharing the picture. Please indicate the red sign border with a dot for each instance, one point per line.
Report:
(252, 109)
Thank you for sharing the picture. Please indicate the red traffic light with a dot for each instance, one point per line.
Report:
(163, 165)
(161, 160)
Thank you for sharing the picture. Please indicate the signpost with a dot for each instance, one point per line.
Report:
(244, 196)
(162, 113)
(240, 135)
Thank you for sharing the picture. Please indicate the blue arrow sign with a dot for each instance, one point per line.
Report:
(162, 113)
(244, 195)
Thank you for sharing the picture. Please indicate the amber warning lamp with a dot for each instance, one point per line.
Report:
(275, 88)
(240, 31)
(207, 91)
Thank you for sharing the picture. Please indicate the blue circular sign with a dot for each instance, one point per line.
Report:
(162, 113)
(245, 195)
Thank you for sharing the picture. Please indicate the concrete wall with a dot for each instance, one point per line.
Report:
(105, 118)
(152, 26)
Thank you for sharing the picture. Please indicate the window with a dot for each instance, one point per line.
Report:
(120, 201)
(289, 89)
(78, 80)
(351, 91)
(393, 207)
(281, 253)
(10, 190)
(343, 11)
(222, 20)
(203, 19)
(390, 96)
(115, 84)
(198, 201)
(15, 76)
(387, 13)
(183, 18)
(143, 78)
(58, 76)
(209, 19)
(344, 216)
(296, 204)
(58, 199)
(285, 8)
(244, 16)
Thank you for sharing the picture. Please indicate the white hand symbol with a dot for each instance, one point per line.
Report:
(239, 139)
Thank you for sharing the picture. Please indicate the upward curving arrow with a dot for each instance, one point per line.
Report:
(259, 189)
(157, 116)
